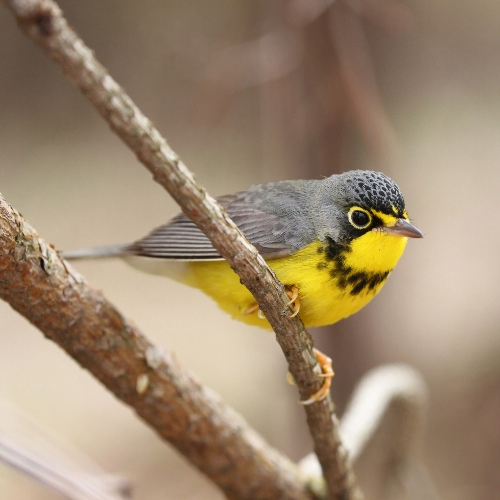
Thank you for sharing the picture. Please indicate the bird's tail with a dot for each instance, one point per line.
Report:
(97, 252)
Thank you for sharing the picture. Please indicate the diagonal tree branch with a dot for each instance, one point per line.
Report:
(42, 21)
(57, 300)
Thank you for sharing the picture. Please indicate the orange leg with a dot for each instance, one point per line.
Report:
(326, 366)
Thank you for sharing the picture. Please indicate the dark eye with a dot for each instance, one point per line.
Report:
(360, 219)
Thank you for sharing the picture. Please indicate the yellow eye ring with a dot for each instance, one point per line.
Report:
(359, 217)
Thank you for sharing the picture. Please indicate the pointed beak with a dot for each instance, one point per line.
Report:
(402, 228)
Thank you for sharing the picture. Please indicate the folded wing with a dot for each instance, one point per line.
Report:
(180, 238)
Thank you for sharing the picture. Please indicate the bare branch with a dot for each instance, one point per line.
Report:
(42, 20)
(57, 300)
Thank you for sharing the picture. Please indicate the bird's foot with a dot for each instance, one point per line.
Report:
(293, 294)
(327, 373)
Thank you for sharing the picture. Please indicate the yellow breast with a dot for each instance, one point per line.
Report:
(332, 285)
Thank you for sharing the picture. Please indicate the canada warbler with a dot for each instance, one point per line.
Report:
(331, 242)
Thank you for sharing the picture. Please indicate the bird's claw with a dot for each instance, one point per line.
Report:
(327, 373)
(293, 294)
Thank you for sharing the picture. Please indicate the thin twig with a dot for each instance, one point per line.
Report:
(42, 21)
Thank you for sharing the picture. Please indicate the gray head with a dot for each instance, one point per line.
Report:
(371, 191)
(350, 204)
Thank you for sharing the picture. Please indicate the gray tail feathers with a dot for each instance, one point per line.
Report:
(97, 252)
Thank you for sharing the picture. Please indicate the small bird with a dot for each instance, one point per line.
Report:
(332, 242)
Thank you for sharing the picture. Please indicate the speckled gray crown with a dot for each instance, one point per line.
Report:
(374, 190)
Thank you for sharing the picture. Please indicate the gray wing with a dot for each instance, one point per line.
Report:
(180, 239)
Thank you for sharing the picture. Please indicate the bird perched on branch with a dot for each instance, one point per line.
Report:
(331, 242)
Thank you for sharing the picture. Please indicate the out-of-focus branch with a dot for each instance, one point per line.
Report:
(57, 300)
(356, 70)
(314, 69)
(25, 446)
(390, 388)
(42, 21)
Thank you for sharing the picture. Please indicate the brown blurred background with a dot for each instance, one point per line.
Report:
(248, 92)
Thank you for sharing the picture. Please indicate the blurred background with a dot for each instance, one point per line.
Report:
(249, 92)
